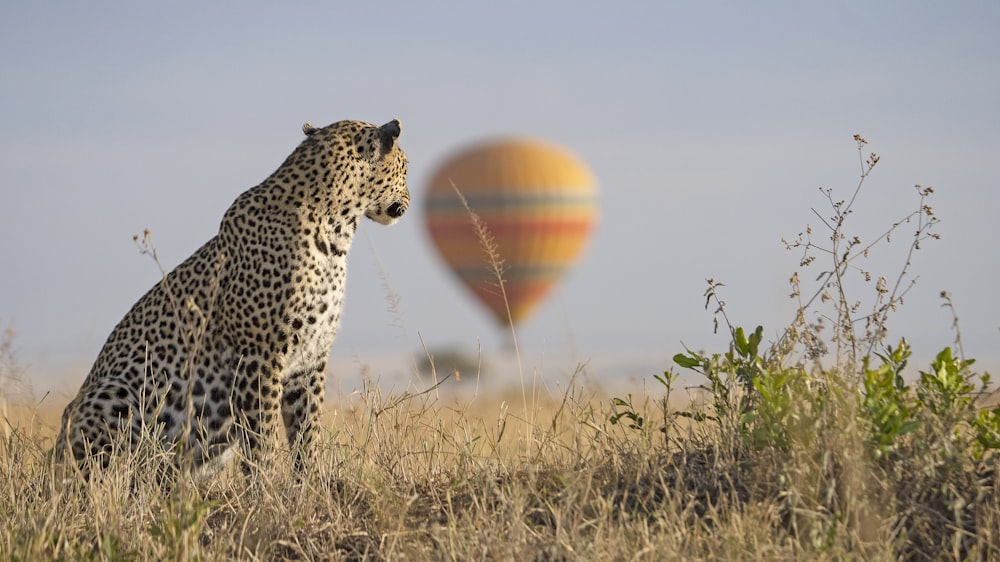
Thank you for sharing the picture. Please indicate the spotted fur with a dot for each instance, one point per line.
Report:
(233, 343)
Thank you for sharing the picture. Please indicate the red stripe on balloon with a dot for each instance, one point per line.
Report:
(457, 226)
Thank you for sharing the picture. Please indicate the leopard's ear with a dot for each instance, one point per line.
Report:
(308, 129)
(388, 134)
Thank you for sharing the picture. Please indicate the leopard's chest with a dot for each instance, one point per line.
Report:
(313, 315)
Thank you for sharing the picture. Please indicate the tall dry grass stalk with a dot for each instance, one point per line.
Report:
(495, 262)
(16, 393)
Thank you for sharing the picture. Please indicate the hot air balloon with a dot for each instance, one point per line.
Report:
(537, 201)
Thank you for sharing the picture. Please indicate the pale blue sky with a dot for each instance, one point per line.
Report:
(709, 127)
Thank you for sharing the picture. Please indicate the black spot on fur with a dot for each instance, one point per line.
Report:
(293, 396)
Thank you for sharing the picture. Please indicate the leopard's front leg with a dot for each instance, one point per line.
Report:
(259, 390)
(301, 404)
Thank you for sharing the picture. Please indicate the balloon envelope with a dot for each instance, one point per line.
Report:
(536, 200)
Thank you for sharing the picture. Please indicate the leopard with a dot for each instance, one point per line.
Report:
(232, 345)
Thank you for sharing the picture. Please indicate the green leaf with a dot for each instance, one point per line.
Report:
(755, 339)
(687, 361)
(742, 347)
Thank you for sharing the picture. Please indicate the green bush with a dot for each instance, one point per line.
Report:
(824, 420)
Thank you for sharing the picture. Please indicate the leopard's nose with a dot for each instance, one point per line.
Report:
(396, 210)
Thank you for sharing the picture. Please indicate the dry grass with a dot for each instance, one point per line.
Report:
(425, 477)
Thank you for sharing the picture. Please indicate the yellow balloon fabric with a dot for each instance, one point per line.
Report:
(538, 202)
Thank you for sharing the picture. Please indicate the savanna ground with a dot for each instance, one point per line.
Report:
(813, 446)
